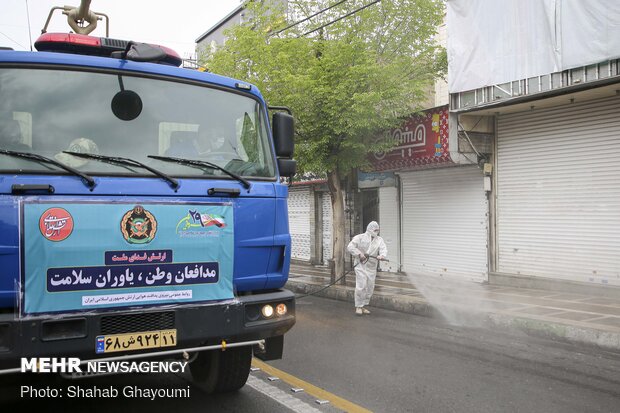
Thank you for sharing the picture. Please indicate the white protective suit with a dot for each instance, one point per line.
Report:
(371, 245)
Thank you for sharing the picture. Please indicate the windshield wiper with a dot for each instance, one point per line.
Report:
(203, 164)
(126, 161)
(89, 181)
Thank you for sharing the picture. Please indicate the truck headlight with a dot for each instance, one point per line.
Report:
(267, 311)
(281, 309)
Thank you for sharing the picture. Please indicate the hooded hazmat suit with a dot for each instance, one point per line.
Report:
(367, 248)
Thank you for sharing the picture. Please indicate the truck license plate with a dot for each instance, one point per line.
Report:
(136, 341)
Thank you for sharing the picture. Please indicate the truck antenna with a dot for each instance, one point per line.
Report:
(29, 30)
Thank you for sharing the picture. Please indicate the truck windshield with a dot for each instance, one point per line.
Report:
(52, 112)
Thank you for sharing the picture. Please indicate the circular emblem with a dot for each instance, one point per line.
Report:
(138, 226)
(56, 224)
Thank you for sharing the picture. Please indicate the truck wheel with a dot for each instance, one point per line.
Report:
(222, 371)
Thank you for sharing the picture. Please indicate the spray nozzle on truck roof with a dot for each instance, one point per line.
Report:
(83, 21)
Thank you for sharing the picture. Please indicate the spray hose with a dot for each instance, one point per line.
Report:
(339, 278)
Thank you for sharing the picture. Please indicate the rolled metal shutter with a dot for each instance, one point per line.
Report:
(299, 222)
(558, 192)
(388, 222)
(445, 223)
(326, 210)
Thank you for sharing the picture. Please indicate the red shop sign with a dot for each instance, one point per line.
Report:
(421, 141)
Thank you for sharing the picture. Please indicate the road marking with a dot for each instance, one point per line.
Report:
(280, 396)
(315, 391)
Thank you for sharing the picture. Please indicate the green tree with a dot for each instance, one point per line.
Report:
(347, 82)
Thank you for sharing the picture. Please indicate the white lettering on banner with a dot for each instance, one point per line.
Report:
(53, 225)
(136, 297)
(410, 139)
(126, 277)
(140, 258)
(77, 279)
(406, 139)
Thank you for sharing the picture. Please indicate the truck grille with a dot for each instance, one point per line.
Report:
(133, 323)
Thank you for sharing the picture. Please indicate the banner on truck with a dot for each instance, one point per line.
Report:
(83, 256)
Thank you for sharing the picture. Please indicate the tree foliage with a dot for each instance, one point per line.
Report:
(347, 80)
(346, 83)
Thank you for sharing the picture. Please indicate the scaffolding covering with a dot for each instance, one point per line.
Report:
(492, 42)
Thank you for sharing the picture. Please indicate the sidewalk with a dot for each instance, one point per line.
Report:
(570, 317)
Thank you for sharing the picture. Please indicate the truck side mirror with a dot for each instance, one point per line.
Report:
(287, 167)
(283, 132)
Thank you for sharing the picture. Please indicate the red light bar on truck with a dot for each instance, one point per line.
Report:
(93, 46)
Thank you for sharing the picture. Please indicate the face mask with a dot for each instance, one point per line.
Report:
(374, 233)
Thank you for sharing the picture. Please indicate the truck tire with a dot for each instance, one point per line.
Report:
(222, 371)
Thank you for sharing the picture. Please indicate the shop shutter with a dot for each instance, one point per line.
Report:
(388, 222)
(445, 223)
(326, 210)
(558, 192)
(299, 222)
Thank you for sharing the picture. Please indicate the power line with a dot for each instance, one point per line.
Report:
(309, 17)
(20, 45)
(340, 18)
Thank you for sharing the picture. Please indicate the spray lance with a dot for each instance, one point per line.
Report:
(343, 275)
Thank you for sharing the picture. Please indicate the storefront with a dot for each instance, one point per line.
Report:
(437, 213)
(310, 222)
(299, 208)
(445, 223)
(378, 201)
(558, 192)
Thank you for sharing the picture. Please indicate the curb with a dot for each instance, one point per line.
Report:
(607, 340)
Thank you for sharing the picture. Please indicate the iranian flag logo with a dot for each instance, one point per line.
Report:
(207, 220)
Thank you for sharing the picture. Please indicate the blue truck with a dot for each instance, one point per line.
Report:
(142, 210)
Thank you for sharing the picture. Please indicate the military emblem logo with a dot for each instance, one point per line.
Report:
(138, 226)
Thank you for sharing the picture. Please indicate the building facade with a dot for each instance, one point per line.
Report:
(310, 222)
(216, 35)
(554, 130)
(427, 194)
(433, 211)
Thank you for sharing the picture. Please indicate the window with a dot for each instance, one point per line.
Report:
(60, 110)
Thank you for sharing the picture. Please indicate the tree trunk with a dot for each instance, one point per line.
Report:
(338, 243)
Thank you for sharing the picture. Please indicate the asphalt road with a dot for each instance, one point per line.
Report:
(384, 362)
(394, 362)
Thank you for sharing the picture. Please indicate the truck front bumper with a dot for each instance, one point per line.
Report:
(76, 335)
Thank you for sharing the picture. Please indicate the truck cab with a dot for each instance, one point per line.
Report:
(142, 210)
